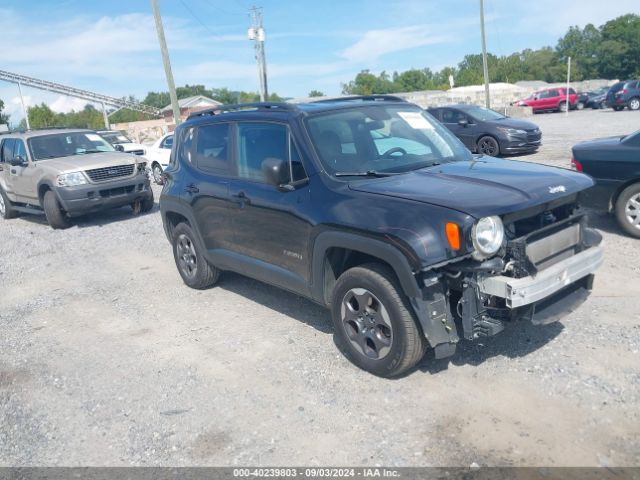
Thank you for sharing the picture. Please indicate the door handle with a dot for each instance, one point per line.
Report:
(192, 188)
(241, 199)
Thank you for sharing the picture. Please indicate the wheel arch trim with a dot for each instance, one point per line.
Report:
(369, 246)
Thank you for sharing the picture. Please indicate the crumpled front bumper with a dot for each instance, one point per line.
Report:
(519, 292)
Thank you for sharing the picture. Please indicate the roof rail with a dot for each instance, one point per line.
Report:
(362, 98)
(244, 106)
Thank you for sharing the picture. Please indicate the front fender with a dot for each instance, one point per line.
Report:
(364, 244)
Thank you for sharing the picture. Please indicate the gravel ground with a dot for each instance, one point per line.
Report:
(106, 358)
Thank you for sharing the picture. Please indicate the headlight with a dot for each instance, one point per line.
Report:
(487, 236)
(71, 179)
(512, 131)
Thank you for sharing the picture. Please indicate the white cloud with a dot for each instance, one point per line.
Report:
(375, 43)
(64, 104)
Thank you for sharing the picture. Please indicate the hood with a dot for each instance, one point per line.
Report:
(74, 163)
(131, 146)
(482, 187)
(515, 123)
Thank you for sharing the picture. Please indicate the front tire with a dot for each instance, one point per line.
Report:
(579, 106)
(374, 325)
(628, 210)
(488, 146)
(6, 207)
(143, 206)
(53, 211)
(194, 269)
(563, 107)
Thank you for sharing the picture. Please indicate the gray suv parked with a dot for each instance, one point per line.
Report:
(66, 173)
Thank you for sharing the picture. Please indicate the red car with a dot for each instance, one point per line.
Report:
(550, 99)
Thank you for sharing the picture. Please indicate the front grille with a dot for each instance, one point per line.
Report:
(534, 136)
(108, 173)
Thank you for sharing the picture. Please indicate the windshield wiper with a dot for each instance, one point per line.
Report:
(92, 151)
(368, 173)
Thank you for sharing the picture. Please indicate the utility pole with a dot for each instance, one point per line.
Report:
(165, 60)
(256, 33)
(568, 79)
(24, 107)
(487, 100)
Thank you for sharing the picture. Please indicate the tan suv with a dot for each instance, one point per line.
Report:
(66, 173)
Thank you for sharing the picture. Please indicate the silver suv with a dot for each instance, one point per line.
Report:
(66, 173)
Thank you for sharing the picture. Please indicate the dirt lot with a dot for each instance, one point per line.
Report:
(106, 358)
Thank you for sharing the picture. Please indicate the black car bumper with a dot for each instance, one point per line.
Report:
(521, 143)
(88, 198)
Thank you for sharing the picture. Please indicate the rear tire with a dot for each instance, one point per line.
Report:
(627, 210)
(618, 109)
(53, 211)
(194, 269)
(634, 103)
(488, 146)
(6, 207)
(563, 107)
(156, 172)
(374, 325)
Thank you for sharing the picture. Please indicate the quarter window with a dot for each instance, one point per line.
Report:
(186, 145)
(212, 152)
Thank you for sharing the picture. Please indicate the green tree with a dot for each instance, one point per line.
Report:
(617, 54)
(316, 93)
(4, 118)
(41, 116)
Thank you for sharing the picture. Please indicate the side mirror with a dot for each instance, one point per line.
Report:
(119, 148)
(463, 122)
(276, 171)
(18, 161)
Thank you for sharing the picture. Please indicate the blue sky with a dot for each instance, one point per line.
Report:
(111, 47)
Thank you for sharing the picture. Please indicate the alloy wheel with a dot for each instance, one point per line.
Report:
(186, 253)
(634, 104)
(3, 207)
(367, 323)
(157, 174)
(488, 146)
(632, 211)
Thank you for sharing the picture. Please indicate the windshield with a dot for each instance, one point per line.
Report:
(67, 144)
(381, 138)
(482, 114)
(115, 138)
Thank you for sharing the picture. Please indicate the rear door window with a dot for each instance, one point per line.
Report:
(212, 148)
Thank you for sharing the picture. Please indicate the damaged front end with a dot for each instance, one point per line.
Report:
(543, 271)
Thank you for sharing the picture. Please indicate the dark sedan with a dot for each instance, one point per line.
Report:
(614, 163)
(487, 131)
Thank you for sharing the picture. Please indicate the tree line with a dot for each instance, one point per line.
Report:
(609, 51)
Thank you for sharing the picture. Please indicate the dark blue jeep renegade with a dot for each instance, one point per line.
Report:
(370, 207)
